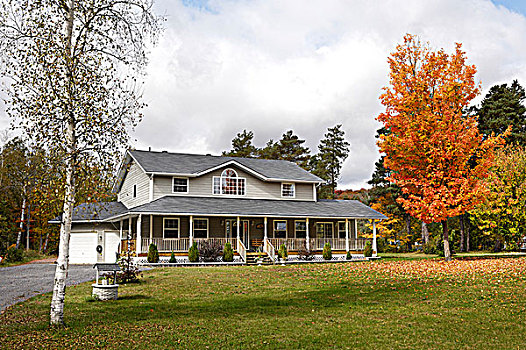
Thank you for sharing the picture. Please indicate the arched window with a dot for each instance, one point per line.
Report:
(229, 183)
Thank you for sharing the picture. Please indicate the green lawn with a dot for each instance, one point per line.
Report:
(420, 304)
(29, 255)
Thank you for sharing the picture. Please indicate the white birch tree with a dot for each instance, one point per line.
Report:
(73, 71)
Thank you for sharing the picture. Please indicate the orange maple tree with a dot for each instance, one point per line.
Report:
(434, 151)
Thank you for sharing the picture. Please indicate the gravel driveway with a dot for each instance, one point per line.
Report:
(22, 282)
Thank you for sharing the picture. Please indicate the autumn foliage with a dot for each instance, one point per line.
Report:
(434, 151)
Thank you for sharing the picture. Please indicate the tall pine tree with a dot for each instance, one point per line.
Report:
(242, 146)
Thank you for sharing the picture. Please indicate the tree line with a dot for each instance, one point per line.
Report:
(327, 163)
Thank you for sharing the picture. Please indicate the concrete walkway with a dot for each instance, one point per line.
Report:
(19, 283)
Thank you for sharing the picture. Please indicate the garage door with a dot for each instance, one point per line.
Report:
(112, 246)
(82, 248)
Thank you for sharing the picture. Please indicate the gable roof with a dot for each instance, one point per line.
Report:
(197, 165)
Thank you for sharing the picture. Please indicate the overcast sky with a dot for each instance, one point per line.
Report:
(306, 65)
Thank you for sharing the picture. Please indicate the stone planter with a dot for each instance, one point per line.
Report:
(105, 292)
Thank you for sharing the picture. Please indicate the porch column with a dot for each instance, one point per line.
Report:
(120, 236)
(374, 237)
(265, 229)
(138, 242)
(129, 236)
(151, 229)
(347, 235)
(238, 224)
(307, 238)
(355, 228)
(191, 230)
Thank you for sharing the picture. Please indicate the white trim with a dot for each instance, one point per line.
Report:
(293, 190)
(187, 184)
(274, 228)
(113, 218)
(231, 196)
(151, 188)
(207, 227)
(178, 226)
(306, 229)
(314, 193)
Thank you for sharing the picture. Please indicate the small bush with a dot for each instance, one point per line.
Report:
(305, 254)
(368, 250)
(210, 251)
(327, 251)
(129, 271)
(228, 253)
(282, 252)
(153, 254)
(193, 253)
(172, 258)
(14, 255)
(349, 256)
(429, 248)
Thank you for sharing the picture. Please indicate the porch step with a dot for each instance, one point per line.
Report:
(251, 259)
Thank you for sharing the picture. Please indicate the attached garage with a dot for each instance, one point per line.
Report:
(83, 248)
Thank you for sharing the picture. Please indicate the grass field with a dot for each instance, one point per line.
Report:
(421, 304)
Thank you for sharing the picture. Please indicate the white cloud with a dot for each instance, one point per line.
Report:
(273, 65)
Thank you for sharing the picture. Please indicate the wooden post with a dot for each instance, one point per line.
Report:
(129, 233)
(238, 227)
(374, 238)
(191, 230)
(265, 228)
(151, 228)
(347, 235)
(138, 241)
(120, 236)
(307, 238)
(355, 228)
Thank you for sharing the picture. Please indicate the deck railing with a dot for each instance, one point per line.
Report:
(290, 243)
(269, 249)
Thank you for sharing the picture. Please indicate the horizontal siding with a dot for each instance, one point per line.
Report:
(137, 177)
(256, 189)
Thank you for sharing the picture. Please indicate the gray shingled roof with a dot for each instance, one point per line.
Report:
(258, 207)
(95, 211)
(179, 163)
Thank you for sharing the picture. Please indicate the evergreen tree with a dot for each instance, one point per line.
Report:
(333, 150)
(270, 151)
(242, 146)
(503, 106)
(290, 148)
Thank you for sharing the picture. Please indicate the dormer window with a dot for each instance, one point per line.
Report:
(229, 183)
(288, 190)
(179, 185)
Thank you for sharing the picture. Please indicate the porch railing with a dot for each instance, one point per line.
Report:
(242, 250)
(269, 249)
(295, 244)
(290, 243)
(183, 244)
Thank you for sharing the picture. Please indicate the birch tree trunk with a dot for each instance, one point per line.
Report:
(22, 214)
(425, 233)
(61, 271)
(461, 223)
(447, 252)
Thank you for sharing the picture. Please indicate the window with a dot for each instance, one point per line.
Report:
(280, 229)
(201, 228)
(341, 229)
(323, 230)
(229, 183)
(180, 185)
(134, 191)
(170, 228)
(287, 190)
(301, 229)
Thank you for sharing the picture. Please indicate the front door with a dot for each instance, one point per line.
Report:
(231, 230)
